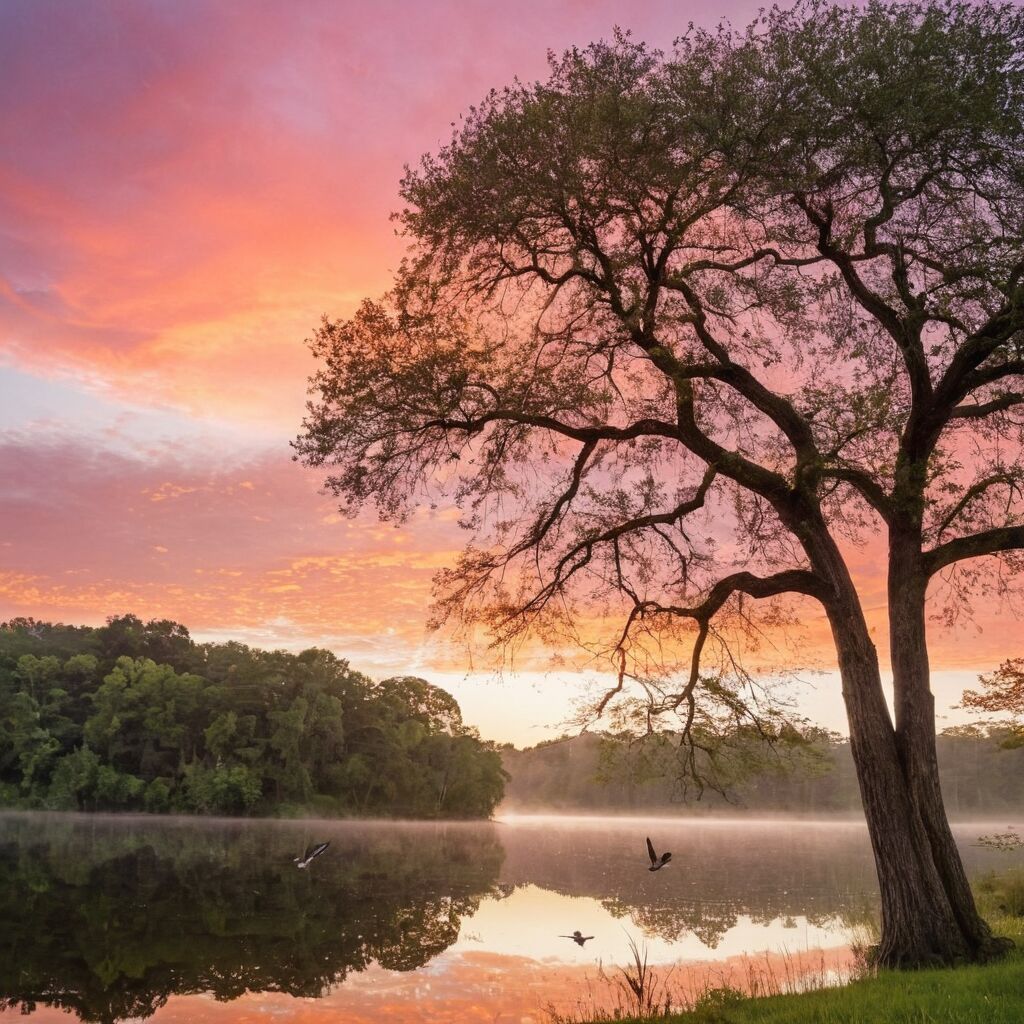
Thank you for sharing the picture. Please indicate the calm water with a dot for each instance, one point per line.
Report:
(111, 919)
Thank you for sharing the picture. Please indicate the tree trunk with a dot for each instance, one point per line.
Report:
(918, 925)
(915, 739)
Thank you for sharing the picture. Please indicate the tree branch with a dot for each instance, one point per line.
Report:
(989, 542)
(541, 528)
(580, 554)
(472, 425)
(868, 487)
(982, 409)
(965, 371)
(789, 581)
(974, 491)
(778, 409)
(798, 581)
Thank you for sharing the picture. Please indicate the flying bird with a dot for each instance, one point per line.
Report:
(578, 937)
(312, 852)
(657, 863)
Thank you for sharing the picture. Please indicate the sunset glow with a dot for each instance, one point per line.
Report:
(477, 987)
(184, 190)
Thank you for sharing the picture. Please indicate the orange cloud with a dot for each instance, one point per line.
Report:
(251, 549)
(182, 196)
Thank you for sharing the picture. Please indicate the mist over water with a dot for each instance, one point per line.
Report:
(196, 919)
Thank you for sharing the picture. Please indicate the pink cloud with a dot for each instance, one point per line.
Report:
(221, 547)
(186, 189)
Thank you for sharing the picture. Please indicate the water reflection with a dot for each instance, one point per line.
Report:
(527, 922)
(721, 871)
(108, 919)
(111, 918)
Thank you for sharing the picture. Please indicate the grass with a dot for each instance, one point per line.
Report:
(990, 994)
(977, 994)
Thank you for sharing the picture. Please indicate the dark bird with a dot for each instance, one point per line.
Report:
(578, 937)
(312, 852)
(657, 863)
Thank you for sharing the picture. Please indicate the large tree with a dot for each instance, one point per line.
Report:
(679, 330)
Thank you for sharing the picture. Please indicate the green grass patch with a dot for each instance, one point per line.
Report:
(989, 994)
(976, 994)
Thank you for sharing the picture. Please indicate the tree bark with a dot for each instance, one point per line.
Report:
(919, 925)
(914, 706)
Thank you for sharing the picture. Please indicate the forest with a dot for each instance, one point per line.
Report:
(981, 769)
(136, 716)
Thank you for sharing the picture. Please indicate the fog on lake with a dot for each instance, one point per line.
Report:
(198, 919)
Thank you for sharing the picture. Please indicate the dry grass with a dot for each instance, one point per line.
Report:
(640, 991)
(794, 990)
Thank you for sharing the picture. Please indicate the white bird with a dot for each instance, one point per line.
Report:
(657, 863)
(312, 852)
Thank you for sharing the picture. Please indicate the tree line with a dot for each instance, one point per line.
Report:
(136, 716)
(981, 768)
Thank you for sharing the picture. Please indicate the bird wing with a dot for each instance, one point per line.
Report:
(666, 857)
(650, 851)
(315, 851)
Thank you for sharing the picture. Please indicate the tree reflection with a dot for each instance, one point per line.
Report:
(110, 919)
(719, 874)
(724, 872)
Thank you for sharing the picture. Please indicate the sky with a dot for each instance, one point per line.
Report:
(185, 188)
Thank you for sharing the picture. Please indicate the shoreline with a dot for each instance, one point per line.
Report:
(986, 994)
(989, 993)
(538, 818)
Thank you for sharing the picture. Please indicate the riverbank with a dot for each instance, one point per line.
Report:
(977, 994)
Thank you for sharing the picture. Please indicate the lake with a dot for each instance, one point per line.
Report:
(182, 919)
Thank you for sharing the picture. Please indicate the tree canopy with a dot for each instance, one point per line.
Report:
(136, 716)
(676, 330)
(982, 778)
(665, 316)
